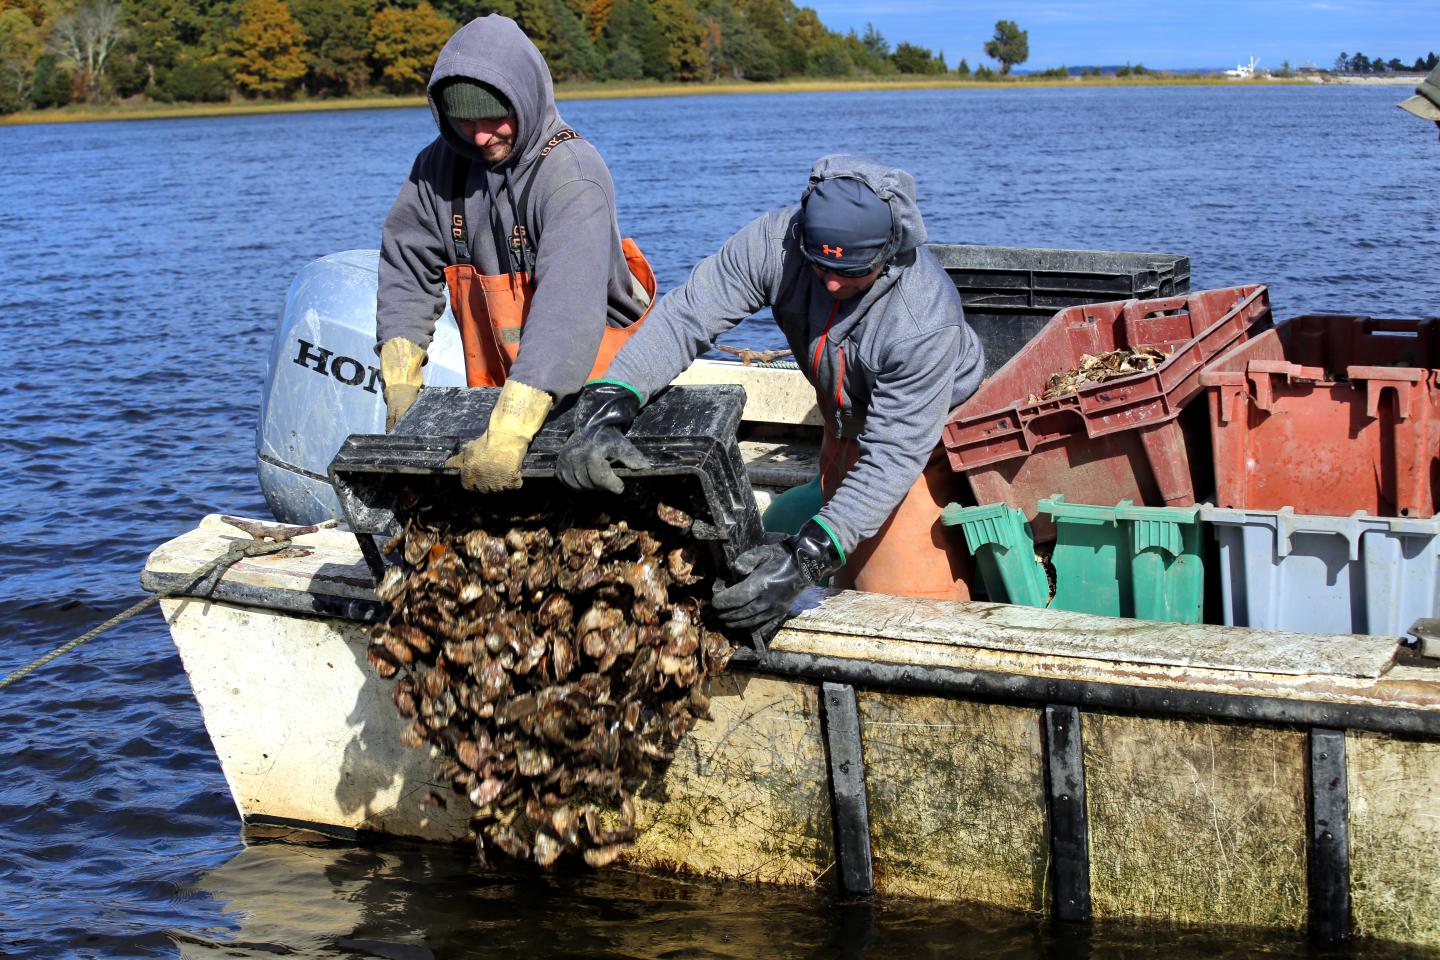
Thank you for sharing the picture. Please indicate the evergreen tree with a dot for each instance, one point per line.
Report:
(337, 44)
(572, 56)
(875, 42)
(1010, 45)
(909, 58)
(54, 82)
(633, 23)
(624, 63)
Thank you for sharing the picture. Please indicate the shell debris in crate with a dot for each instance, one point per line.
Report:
(1121, 439)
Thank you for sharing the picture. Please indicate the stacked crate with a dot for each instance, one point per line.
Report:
(1323, 435)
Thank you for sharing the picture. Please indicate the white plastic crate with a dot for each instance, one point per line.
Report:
(1281, 570)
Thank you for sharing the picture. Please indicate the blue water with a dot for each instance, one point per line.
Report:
(142, 268)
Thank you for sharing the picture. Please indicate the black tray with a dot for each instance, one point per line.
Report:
(688, 433)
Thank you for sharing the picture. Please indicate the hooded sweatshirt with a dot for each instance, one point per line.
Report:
(886, 365)
(582, 283)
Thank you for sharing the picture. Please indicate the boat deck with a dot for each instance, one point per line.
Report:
(1038, 760)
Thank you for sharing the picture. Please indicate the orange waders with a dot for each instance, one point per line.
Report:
(912, 554)
(490, 309)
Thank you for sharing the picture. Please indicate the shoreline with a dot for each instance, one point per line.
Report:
(607, 91)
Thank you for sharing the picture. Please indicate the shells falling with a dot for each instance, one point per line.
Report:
(551, 670)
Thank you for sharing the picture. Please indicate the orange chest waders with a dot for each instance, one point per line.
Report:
(490, 309)
(912, 554)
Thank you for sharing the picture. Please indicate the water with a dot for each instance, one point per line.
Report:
(142, 268)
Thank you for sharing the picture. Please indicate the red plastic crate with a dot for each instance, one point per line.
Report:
(1108, 441)
(1329, 414)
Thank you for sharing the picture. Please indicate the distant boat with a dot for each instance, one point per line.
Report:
(1244, 71)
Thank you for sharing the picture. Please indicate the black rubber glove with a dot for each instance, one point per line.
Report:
(775, 574)
(603, 412)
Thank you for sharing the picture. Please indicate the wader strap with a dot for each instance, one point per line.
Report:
(520, 247)
(520, 239)
(458, 232)
(457, 209)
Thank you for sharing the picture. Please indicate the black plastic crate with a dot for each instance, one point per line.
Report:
(1010, 293)
(688, 433)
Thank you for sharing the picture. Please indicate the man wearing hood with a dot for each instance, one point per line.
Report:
(877, 329)
(514, 213)
(1426, 102)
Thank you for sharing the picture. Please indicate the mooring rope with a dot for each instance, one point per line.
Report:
(748, 356)
(237, 551)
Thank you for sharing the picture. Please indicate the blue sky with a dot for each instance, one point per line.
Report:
(1157, 33)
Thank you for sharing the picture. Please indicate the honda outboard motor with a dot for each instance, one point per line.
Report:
(323, 382)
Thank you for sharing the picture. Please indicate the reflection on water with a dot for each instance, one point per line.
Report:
(295, 894)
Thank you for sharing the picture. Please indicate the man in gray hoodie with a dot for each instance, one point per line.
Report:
(515, 213)
(877, 328)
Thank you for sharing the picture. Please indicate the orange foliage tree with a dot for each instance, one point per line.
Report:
(405, 44)
(266, 48)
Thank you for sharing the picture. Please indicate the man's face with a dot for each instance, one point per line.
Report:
(843, 288)
(493, 138)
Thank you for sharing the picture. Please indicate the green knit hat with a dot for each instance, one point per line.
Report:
(1426, 102)
(463, 99)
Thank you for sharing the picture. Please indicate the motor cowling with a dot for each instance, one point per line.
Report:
(323, 381)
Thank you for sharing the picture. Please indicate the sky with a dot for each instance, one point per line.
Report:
(1157, 33)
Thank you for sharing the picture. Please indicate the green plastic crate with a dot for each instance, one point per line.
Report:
(1004, 550)
(1127, 561)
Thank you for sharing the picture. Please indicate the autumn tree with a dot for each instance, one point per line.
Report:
(684, 34)
(405, 42)
(1010, 46)
(597, 14)
(84, 34)
(20, 48)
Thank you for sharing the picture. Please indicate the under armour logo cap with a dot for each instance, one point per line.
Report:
(845, 226)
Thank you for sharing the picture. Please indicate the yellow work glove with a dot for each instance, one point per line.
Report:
(492, 462)
(400, 361)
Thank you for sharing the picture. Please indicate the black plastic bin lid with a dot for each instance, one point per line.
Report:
(688, 434)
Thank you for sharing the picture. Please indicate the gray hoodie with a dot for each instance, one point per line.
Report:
(900, 354)
(582, 283)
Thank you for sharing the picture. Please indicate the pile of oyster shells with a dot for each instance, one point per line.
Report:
(553, 660)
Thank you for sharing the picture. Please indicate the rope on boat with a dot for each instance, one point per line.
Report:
(748, 356)
(276, 538)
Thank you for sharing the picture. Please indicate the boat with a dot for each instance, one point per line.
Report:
(1069, 765)
(1244, 71)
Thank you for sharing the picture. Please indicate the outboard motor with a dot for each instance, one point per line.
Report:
(323, 382)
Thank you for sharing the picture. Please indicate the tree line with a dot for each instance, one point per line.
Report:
(1359, 63)
(55, 52)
